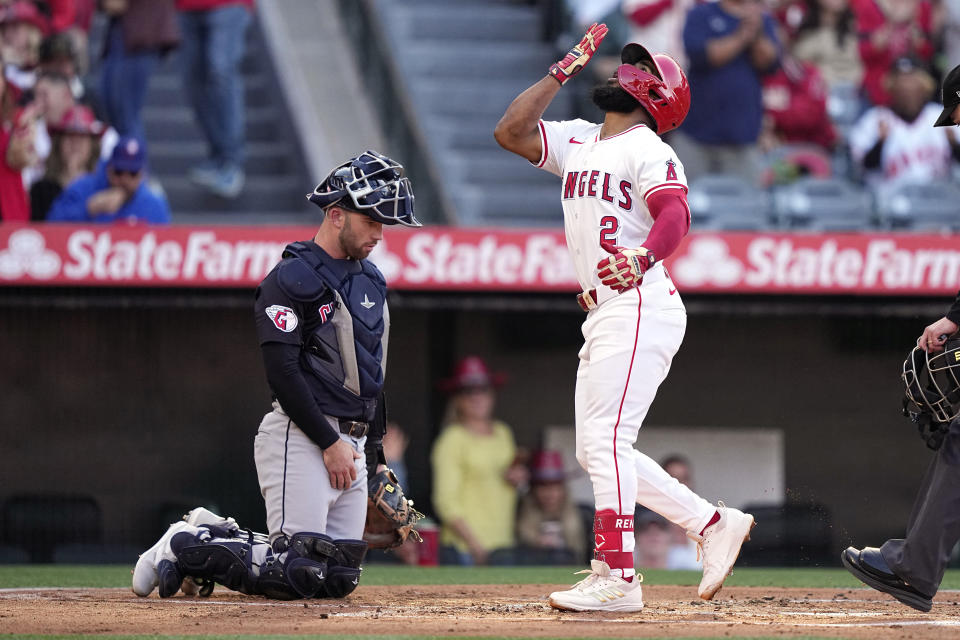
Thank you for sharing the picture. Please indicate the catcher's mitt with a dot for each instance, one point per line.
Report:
(390, 515)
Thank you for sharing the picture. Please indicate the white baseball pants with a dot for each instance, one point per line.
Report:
(629, 343)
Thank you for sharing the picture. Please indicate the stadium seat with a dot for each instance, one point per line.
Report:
(790, 535)
(823, 204)
(788, 162)
(39, 522)
(728, 202)
(931, 206)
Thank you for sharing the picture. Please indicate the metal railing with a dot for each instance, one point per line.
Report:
(394, 108)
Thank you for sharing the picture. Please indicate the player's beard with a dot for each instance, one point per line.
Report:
(351, 245)
(613, 98)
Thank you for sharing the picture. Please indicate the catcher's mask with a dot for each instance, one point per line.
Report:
(932, 382)
(665, 95)
(371, 184)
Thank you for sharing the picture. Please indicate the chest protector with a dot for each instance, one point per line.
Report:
(346, 328)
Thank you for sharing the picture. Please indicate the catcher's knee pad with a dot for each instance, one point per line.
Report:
(169, 577)
(228, 563)
(344, 569)
(273, 582)
(306, 564)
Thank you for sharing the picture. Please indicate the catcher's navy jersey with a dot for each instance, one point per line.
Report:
(336, 311)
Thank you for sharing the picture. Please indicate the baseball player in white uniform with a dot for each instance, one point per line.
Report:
(625, 210)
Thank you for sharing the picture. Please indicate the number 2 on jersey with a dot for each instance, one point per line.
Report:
(609, 229)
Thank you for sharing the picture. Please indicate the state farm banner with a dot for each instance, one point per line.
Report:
(458, 259)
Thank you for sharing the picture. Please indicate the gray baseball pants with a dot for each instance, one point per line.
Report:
(296, 486)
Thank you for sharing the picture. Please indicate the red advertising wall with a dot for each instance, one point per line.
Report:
(444, 258)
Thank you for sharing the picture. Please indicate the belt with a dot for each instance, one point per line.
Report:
(593, 298)
(354, 428)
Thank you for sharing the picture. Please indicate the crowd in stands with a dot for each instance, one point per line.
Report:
(499, 504)
(72, 141)
(789, 88)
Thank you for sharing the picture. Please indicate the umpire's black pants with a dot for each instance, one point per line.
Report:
(934, 527)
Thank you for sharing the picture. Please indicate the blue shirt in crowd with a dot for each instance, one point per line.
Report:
(71, 205)
(726, 104)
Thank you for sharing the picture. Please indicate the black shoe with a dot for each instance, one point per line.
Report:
(869, 567)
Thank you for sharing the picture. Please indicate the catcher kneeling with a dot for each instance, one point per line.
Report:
(206, 549)
(323, 326)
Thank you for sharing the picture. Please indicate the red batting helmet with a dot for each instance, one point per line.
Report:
(665, 96)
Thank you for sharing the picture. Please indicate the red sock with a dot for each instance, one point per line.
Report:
(714, 520)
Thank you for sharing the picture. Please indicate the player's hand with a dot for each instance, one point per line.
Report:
(577, 58)
(935, 335)
(338, 459)
(624, 269)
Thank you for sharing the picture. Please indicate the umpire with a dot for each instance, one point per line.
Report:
(911, 569)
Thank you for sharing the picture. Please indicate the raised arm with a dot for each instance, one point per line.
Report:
(517, 129)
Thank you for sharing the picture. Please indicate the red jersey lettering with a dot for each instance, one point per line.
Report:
(570, 185)
(627, 202)
(592, 184)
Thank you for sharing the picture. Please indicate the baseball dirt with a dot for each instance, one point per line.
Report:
(498, 610)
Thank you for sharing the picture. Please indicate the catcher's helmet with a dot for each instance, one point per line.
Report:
(932, 382)
(371, 184)
(665, 96)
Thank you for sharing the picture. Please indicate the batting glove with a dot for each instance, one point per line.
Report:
(580, 55)
(624, 269)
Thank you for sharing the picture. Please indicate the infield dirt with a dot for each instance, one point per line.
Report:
(483, 610)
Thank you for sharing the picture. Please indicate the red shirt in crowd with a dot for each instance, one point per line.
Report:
(795, 97)
(911, 38)
(14, 205)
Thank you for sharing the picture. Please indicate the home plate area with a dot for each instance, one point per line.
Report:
(482, 610)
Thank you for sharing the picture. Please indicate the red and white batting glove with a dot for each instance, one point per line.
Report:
(625, 268)
(580, 55)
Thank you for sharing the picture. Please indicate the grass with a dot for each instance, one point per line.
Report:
(27, 575)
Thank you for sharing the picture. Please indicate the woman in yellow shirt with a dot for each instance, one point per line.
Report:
(475, 468)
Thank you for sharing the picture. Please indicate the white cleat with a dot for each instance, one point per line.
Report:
(600, 591)
(145, 574)
(720, 546)
(201, 516)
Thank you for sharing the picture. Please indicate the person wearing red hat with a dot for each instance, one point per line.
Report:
(475, 468)
(548, 522)
(75, 150)
(22, 29)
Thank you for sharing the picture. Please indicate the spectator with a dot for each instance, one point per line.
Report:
(795, 106)
(951, 33)
(22, 28)
(58, 55)
(475, 469)
(652, 533)
(16, 146)
(140, 32)
(75, 150)
(827, 39)
(53, 99)
(658, 25)
(681, 551)
(729, 44)
(115, 192)
(899, 143)
(211, 52)
(395, 443)
(547, 519)
(889, 30)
